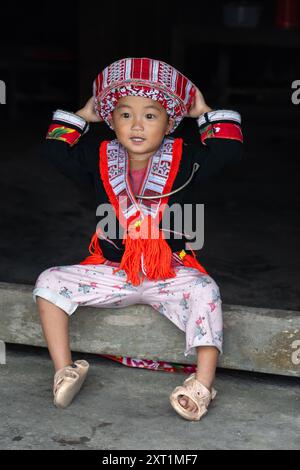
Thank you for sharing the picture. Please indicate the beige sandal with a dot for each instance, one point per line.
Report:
(68, 381)
(195, 391)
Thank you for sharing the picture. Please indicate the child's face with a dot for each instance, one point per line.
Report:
(135, 116)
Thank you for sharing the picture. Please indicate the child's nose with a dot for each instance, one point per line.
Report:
(137, 123)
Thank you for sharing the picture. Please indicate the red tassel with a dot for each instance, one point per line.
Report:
(192, 262)
(96, 256)
(131, 260)
(157, 255)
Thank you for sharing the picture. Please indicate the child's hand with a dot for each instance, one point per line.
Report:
(199, 106)
(88, 112)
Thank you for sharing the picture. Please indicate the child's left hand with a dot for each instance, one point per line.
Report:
(199, 106)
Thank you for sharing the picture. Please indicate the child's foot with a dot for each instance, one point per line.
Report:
(187, 403)
(191, 400)
(68, 381)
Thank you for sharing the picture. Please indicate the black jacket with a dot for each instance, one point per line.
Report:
(80, 163)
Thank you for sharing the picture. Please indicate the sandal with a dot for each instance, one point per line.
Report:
(195, 391)
(68, 381)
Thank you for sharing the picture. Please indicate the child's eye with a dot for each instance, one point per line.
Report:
(149, 115)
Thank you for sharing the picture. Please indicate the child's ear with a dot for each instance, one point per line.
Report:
(170, 125)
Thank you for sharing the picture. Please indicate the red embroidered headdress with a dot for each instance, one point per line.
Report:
(144, 77)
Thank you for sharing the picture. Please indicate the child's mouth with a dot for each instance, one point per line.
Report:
(137, 140)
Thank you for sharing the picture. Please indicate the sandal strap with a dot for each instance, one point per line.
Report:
(193, 377)
(66, 373)
(197, 393)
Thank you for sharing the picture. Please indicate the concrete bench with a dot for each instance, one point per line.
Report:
(256, 339)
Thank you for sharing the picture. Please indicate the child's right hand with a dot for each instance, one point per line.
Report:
(88, 112)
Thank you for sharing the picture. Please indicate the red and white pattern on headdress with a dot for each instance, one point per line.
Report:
(148, 78)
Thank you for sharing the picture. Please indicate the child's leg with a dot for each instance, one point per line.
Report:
(192, 301)
(207, 358)
(55, 328)
(58, 292)
(61, 289)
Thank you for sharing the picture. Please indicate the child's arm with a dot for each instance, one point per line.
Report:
(66, 148)
(221, 138)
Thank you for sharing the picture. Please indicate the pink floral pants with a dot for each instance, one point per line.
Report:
(191, 300)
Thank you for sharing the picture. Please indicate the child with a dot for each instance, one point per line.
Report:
(140, 173)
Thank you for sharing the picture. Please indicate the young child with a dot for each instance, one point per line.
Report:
(139, 173)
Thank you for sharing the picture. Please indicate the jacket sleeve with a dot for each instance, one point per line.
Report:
(65, 147)
(220, 143)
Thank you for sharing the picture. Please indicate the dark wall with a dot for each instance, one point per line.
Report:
(49, 56)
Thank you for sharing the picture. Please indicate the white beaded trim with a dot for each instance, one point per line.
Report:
(218, 115)
(71, 118)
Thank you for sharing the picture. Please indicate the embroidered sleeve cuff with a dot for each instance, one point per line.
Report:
(219, 115)
(67, 126)
(222, 123)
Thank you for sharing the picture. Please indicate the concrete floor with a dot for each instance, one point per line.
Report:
(126, 408)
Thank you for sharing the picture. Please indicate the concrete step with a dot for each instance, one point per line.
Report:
(256, 339)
